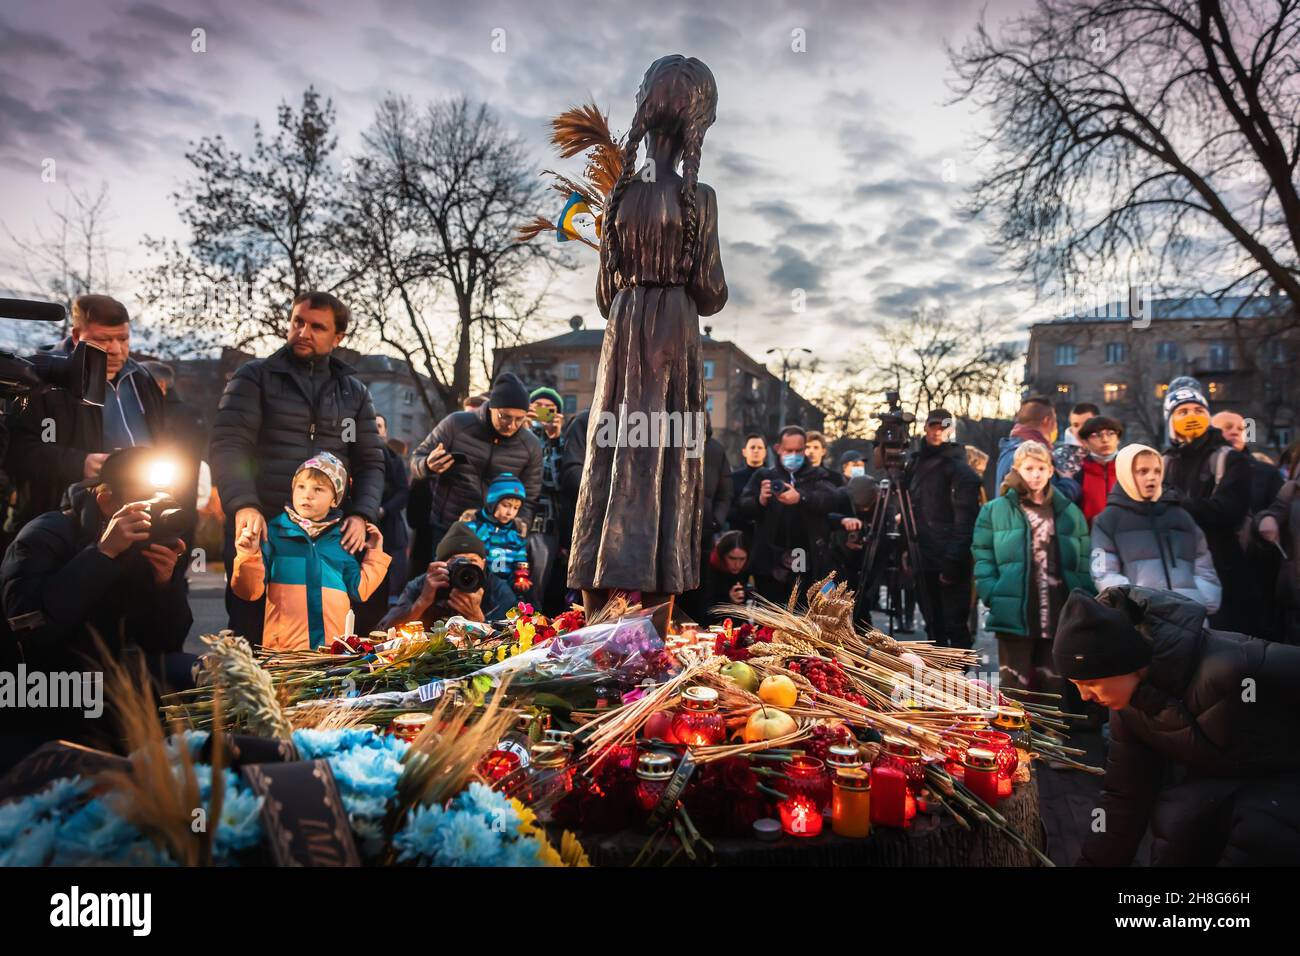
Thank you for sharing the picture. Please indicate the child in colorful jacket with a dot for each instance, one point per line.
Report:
(310, 582)
(494, 525)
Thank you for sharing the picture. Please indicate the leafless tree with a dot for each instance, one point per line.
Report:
(70, 257)
(262, 230)
(966, 365)
(1140, 141)
(432, 211)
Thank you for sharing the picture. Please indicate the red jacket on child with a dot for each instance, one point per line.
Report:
(1096, 479)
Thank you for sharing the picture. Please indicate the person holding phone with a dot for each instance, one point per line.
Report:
(467, 449)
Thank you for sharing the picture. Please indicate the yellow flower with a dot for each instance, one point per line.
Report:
(487, 657)
(571, 851)
(501, 653)
(527, 819)
(526, 631)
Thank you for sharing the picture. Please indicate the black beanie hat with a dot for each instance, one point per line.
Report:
(1094, 640)
(508, 392)
(460, 539)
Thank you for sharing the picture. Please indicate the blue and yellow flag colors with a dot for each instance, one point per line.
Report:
(577, 221)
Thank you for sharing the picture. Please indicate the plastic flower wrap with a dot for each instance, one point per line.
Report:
(628, 650)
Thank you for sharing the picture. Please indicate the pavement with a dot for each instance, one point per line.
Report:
(208, 605)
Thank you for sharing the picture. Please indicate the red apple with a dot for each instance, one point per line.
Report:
(660, 725)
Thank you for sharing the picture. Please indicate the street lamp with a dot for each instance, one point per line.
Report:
(785, 377)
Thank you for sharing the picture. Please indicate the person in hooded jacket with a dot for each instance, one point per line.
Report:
(1140, 539)
(1213, 481)
(1031, 550)
(466, 450)
(1203, 731)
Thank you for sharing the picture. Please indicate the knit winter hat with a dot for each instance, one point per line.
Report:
(1094, 640)
(545, 391)
(460, 539)
(508, 392)
(331, 467)
(1182, 390)
(504, 485)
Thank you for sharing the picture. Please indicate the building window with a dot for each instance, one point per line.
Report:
(1216, 391)
(1219, 355)
(1067, 355)
(1167, 351)
(408, 397)
(1113, 392)
(1162, 390)
(1276, 352)
(708, 369)
(572, 371)
(570, 404)
(408, 422)
(1116, 353)
(1065, 391)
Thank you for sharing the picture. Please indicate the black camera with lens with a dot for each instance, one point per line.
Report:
(779, 487)
(465, 575)
(167, 519)
(894, 436)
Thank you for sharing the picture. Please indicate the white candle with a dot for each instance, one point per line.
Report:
(349, 622)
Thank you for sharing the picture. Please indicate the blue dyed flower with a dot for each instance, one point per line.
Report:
(34, 846)
(369, 771)
(466, 839)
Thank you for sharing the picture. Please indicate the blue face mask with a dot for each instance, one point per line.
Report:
(792, 462)
(856, 471)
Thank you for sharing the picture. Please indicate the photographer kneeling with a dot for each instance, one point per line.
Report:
(108, 570)
(444, 590)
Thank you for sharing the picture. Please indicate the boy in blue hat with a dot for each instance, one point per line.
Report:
(494, 525)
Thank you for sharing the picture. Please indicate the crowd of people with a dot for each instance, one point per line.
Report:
(324, 516)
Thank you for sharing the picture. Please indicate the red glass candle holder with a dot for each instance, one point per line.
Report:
(982, 775)
(1008, 757)
(807, 776)
(498, 764)
(698, 723)
(906, 756)
(801, 815)
(888, 796)
(653, 771)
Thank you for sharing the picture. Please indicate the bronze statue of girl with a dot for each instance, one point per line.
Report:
(640, 507)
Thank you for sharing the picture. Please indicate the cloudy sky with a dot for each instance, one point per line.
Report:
(839, 170)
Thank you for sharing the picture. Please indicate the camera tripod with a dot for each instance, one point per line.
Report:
(899, 536)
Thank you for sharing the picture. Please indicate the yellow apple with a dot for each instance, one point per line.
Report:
(768, 723)
(778, 690)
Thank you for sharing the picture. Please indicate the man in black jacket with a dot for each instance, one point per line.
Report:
(56, 441)
(276, 413)
(788, 504)
(72, 578)
(1213, 481)
(754, 452)
(1203, 731)
(466, 450)
(945, 494)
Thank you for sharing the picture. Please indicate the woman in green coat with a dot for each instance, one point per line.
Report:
(1031, 549)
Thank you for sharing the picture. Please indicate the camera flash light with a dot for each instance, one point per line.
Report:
(162, 474)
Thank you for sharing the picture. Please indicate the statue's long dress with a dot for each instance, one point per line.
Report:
(640, 509)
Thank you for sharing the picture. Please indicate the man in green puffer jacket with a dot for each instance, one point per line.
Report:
(1031, 549)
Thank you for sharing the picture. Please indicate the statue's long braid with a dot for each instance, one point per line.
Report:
(613, 257)
(693, 143)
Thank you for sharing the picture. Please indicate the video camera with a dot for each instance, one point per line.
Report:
(894, 436)
(83, 373)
